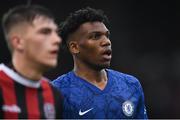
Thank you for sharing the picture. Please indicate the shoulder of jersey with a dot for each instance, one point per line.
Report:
(129, 79)
(63, 80)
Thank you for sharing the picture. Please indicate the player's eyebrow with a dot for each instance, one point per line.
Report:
(47, 30)
(107, 33)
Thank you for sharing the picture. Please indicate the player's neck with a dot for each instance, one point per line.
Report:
(26, 69)
(96, 77)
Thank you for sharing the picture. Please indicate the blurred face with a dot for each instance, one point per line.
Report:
(94, 46)
(41, 42)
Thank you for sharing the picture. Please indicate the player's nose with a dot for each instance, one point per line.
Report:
(57, 39)
(106, 41)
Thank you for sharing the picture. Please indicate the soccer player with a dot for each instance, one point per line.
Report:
(91, 90)
(31, 34)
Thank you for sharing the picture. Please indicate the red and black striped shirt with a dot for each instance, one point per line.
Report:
(23, 98)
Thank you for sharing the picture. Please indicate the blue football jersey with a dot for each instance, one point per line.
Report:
(121, 98)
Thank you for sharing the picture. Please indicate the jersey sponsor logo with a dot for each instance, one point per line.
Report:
(84, 112)
(11, 108)
(128, 108)
(49, 110)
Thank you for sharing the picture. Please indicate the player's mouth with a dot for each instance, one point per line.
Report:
(107, 54)
(54, 53)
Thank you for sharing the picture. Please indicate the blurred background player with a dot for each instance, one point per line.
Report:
(31, 34)
(90, 89)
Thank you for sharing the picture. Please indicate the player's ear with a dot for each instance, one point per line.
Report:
(73, 47)
(17, 42)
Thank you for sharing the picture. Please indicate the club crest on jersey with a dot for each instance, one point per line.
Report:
(49, 110)
(128, 108)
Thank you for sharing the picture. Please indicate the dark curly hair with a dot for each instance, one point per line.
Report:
(74, 20)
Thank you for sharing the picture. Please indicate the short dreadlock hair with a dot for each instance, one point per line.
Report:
(76, 19)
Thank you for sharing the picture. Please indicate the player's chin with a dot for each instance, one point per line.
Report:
(105, 64)
(52, 63)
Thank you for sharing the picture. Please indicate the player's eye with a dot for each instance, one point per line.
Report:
(95, 36)
(45, 31)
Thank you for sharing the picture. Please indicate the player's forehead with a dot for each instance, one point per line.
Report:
(91, 27)
(41, 21)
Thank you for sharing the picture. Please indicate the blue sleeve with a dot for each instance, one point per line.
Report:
(141, 108)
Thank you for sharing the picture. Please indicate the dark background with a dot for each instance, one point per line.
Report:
(145, 41)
